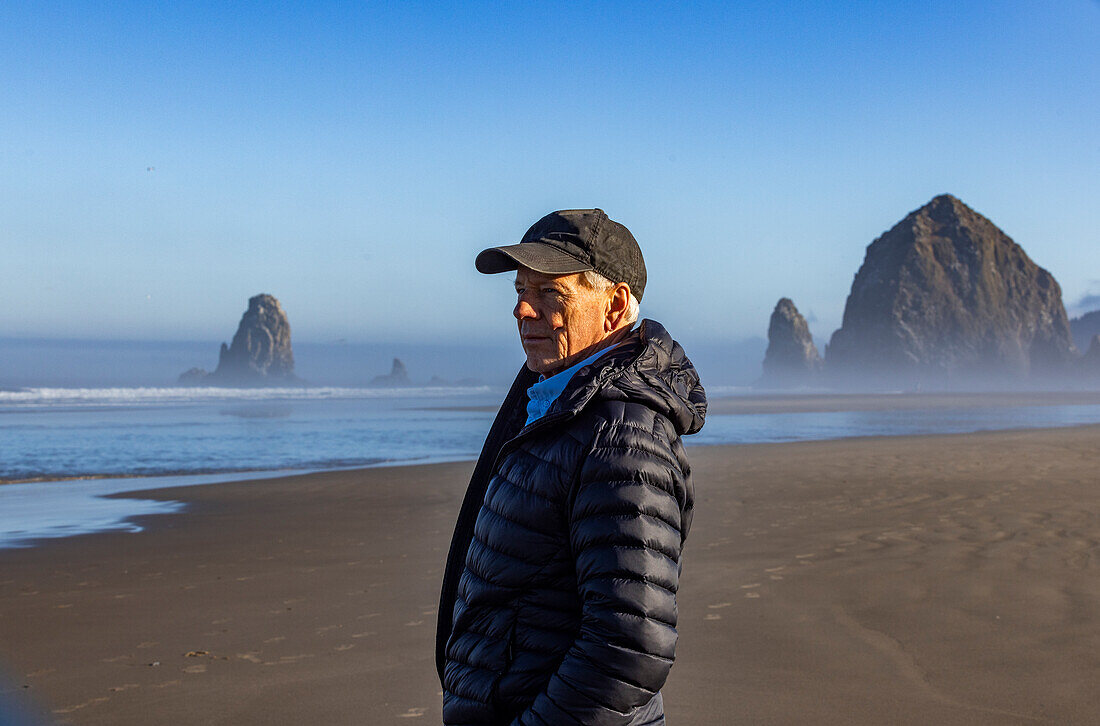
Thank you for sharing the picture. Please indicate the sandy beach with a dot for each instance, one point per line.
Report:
(924, 580)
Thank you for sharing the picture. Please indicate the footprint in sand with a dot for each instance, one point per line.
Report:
(413, 712)
(345, 646)
(123, 687)
(413, 623)
(365, 634)
(250, 657)
(752, 594)
(719, 605)
(750, 586)
(147, 644)
(712, 616)
(194, 669)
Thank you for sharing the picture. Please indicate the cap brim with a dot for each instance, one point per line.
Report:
(532, 255)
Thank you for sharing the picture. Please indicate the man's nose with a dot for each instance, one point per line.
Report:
(524, 311)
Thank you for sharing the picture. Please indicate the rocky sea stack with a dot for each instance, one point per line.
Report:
(260, 353)
(946, 299)
(791, 358)
(398, 377)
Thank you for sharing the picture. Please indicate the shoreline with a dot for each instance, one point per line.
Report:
(266, 476)
(735, 405)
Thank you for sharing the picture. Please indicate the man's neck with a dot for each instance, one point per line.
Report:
(613, 338)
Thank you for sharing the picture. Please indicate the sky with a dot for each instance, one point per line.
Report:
(162, 162)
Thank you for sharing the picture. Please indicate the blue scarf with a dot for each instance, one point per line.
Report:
(543, 394)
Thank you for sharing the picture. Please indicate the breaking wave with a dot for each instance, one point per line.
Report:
(123, 396)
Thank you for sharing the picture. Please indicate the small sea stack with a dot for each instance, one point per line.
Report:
(791, 358)
(398, 377)
(260, 353)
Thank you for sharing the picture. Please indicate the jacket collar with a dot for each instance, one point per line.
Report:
(647, 367)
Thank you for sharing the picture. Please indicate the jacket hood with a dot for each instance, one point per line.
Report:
(648, 367)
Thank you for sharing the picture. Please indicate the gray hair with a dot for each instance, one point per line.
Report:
(599, 283)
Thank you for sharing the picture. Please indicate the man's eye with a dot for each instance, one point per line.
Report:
(551, 290)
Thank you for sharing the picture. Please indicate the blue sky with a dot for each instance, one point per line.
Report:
(160, 163)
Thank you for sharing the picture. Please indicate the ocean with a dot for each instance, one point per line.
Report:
(63, 450)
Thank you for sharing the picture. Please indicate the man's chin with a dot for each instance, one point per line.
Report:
(540, 366)
(545, 366)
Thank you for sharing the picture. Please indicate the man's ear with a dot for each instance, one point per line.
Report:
(617, 305)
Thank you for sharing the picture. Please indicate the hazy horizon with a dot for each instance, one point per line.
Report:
(26, 363)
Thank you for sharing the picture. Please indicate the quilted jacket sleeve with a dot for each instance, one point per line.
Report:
(628, 517)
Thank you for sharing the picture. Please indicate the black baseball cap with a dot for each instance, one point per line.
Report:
(573, 240)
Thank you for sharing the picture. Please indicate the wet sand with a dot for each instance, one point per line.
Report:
(924, 580)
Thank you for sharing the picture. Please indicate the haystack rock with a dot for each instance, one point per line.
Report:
(791, 358)
(947, 299)
(260, 353)
(1085, 328)
(398, 377)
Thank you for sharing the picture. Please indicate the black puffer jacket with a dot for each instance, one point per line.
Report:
(559, 597)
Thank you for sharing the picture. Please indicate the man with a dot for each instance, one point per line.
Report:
(559, 596)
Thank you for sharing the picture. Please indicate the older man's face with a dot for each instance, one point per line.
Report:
(561, 319)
